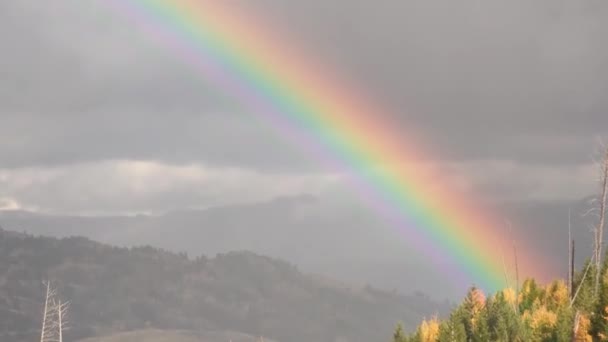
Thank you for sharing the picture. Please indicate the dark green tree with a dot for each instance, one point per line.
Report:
(530, 294)
(453, 330)
(503, 322)
(583, 286)
(599, 319)
(399, 335)
(481, 331)
(563, 327)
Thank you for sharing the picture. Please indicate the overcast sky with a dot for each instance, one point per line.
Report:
(96, 118)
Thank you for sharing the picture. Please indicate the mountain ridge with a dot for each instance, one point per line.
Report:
(357, 248)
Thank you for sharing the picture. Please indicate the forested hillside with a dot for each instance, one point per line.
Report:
(114, 290)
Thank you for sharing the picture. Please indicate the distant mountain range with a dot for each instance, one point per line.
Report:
(347, 242)
(148, 294)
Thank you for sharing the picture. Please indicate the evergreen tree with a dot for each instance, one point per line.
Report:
(503, 322)
(599, 325)
(564, 325)
(529, 296)
(583, 285)
(399, 335)
(453, 330)
(481, 331)
(474, 304)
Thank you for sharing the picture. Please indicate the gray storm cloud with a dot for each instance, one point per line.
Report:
(504, 79)
(517, 85)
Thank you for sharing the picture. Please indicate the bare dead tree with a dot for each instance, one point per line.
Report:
(569, 252)
(61, 310)
(510, 226)
(577, 320)
(49, 323)
(505, 271)
(571, 290)
(45, 312)
(601, 213)
(570, 255)
(506, 274)
(516, 271)
(53, 319)
(60, 321)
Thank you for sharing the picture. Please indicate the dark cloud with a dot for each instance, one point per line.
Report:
(98, 89)
(517, 81)
(511, 79)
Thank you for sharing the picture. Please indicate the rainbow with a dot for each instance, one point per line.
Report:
(332, 121)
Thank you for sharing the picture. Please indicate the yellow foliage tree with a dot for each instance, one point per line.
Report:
(541, 322)
(556, 295)
(509, 295)
(582, 325)
(429, 330)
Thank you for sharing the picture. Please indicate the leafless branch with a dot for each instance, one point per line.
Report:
(504, 269)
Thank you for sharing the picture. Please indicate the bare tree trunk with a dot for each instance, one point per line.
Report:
(599, 231)
(570, 273)
(45, 312)
(577, 319)
(62, 308)
(516, 265)
(571, 268)
(516, 274)
(53, 322)
(504, 270)
(60, 313)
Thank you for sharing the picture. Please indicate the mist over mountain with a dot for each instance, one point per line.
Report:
(357, 248)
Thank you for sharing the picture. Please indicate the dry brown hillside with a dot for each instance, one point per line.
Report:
(154, 335)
